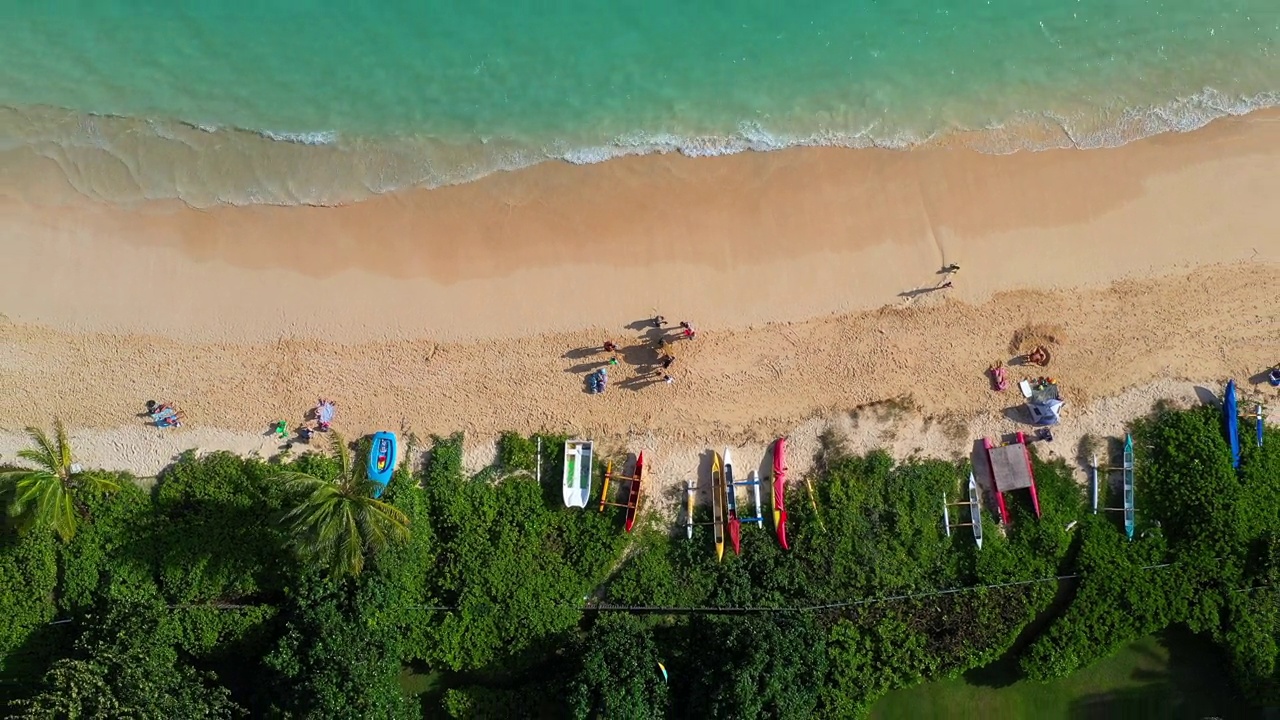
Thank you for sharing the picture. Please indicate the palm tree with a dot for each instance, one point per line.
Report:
(52, 494)
(336, 523)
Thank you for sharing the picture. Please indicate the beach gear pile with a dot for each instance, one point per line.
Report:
(596, 381)
(1045, 403)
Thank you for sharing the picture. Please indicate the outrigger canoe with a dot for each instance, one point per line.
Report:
(975, 511)
(1128, 486)
(577, 473)
(689, 492)
(717, 504)
(1232, 413)
(633, 490)
(382, 460)
(779, 491)
(633, 493)
(731, 505)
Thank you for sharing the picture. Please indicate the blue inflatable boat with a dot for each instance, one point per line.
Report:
(382, 460)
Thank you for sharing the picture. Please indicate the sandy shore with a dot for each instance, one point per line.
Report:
(809, 274)
(726, 242)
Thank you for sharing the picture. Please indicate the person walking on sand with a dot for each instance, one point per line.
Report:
(658, 320)
(952, 269)
(613, 360)
(945, 285)
(666, 362)
(668, 379)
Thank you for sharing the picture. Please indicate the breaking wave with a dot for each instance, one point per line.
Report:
(123, 160)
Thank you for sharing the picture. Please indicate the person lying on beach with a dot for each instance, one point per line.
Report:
(325, 410)
(1038, 356)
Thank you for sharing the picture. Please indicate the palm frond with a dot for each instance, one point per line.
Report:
(46, 457)
(63, 446)
(99, 482)
(42, 497)
(341, 453)
(298, 481)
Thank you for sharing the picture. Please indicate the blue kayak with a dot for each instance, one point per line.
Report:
(1232, 413)
(382, 460)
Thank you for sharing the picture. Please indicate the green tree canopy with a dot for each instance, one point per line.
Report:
(336, 523)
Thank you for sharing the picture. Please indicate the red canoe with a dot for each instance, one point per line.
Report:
(633, 492)
(731, 504)
(779, 490)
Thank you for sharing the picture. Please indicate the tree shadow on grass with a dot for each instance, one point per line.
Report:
(1191, 683)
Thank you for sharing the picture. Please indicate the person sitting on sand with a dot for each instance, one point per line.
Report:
(689, 332)
(609, 346)
(325, 410)
(1038, 356)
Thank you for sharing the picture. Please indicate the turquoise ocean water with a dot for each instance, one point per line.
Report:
(285, 101)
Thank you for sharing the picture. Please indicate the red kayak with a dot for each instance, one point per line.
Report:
(779, 490)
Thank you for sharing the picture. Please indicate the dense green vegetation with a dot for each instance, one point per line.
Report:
(204, 597)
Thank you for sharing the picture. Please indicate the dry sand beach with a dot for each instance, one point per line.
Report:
(809, 273)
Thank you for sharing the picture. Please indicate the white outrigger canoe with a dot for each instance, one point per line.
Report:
(577, 473)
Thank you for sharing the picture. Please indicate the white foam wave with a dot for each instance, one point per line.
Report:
(243, 167)
(749, 137)
(1034, 131)
(324, 137)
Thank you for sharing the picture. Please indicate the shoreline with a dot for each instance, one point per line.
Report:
(727, 242)
(134, 159)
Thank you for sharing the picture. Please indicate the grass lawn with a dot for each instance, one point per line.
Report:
(1172, 676)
